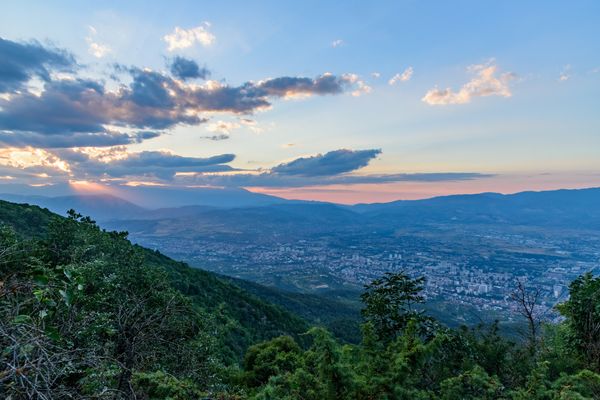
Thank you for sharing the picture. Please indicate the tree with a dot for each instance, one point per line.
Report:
(527, 301)
(390, 303)
(475, 384)
(82, 314)
(582, 311)
(267, 359)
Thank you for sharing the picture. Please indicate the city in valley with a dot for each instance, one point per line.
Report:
(472, 268)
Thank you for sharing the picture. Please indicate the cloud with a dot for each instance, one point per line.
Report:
(77, 139)
(68, 111)
(216, 138)
(331, 163)
(184, 38)
(77, 113)
(118, 163)
(268, 179)
(332, 168)
(224, 127)
(83, 112)
(150, 101)
(20, 62)
(376, 75)
(565, 74)
(184, 69)
(403, 77)
(337, 43)
(360, 86)
(96, 49)
(31, 165)
(484, 83)
(321, 85)
(252, 125)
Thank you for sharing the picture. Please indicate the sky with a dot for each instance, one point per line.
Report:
(345, 102)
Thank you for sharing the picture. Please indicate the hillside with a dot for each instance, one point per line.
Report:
(86, 314)
(248, 318)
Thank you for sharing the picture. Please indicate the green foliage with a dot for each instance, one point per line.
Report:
(582, 311)
(475, 384)
(86, 314)
(162, 386)
(267, 359)
(390, 303)
(83, 312)
(413, 357)
(582, 385)
(90, 313)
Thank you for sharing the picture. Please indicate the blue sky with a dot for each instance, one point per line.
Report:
(522, 109)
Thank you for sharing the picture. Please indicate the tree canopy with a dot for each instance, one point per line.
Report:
(85, 314)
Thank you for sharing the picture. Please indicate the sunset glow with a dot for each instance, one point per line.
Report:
(357, 110)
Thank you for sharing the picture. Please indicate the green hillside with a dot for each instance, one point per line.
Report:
(84, 314)
(247, 318)
(27, 220)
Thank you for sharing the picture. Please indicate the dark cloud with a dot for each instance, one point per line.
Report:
(19, 62)
(97, 139)
(82, 112)
(324, 84)
(149, 89)
(324, 169)
(163, 159)
(75, 113)
(142, 165)
(64, 107)
(10, 174)
(184, 69)
(332, 163)
(220, 136)
(269, 179)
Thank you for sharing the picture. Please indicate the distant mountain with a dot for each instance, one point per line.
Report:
(149, 197)
(258, 224)
(100, 207)
(153, 197)
(138, 202)
(242, 210)
(578, 208)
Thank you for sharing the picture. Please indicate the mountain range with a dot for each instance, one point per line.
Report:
(579, 208)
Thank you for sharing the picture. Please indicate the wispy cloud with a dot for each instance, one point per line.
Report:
(95, 48)
(337, 43)
(402, 77)
(183, 38)
(224, 127)
(217, 137)
(486, 82)
(360, 86)
(565, 74)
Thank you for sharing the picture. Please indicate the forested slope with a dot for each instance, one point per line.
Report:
(84, 314)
